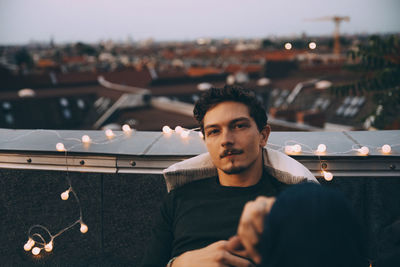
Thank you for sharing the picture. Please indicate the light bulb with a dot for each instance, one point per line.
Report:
(86, 139)
(363, 150)
(60, 147)
(178, 129)
(321, 148)
(289, 149)
(84, 228)
(297, 148)
(126, 128)
(65, 195)
(288, 46)
(49, 246)
(166, 129)
(328, 176)
(386, 149)
(201, 135)
(109, 133)
(29, 244)
(36, 251)
(312, 45)
(27, 247)
(185, 134)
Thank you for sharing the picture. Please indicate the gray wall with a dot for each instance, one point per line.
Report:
(119, 210)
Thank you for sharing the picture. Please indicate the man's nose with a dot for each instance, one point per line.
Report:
(227, 138)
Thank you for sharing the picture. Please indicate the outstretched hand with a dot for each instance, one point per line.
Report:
(250, 228)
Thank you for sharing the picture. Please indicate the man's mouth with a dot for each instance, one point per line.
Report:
(230, 152)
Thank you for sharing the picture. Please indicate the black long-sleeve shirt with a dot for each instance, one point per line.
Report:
(200, 213)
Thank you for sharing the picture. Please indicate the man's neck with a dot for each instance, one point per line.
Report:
(248, 177)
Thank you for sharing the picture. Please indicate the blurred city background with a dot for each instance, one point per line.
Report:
(316, 65)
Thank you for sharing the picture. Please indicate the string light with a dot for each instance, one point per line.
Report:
(109, 133)
(60, 147)
(327, 175)
(321, 148)
(49, 246)
(65, 195)
(166, 129)
(126, 128)
(84, 228)
(178, 129)
(297, 148)
(36, 251)
(288, 46)
(86, 139)
(27, 247)
(29, 244)
(386, 149)
(293, 149)
(363, 150)
(185, 134)
(289, 150)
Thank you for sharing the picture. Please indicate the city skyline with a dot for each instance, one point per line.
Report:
(91, 21)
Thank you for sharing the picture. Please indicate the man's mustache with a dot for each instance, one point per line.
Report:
(228, 152)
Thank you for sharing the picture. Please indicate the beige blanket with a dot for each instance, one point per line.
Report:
(278, 164)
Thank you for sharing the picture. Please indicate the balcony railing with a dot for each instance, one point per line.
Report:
(151, 152)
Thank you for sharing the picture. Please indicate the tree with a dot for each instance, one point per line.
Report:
(85, 49)
(267, 43)
(379, 64)
(23, 59)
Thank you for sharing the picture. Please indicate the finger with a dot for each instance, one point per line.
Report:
(233, 260)
(263, 208)
(219, 244)
(234, 244)
(249, 239)
(236, 247)
(248, 233)
(241, 253)
(258, 218)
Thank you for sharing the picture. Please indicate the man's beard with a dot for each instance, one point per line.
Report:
(234, 170)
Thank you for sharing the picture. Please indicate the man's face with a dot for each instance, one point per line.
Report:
(232, 137)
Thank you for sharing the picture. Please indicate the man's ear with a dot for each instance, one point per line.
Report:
(264, 134)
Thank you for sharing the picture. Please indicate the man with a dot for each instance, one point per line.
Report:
(209, 191)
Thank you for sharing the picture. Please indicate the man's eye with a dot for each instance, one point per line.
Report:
(240, 125)
(212, 132)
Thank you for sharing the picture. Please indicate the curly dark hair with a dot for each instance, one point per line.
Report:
(214, 96)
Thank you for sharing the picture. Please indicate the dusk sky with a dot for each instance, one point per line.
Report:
(92, 20)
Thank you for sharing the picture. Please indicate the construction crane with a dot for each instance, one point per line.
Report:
(337, 20)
